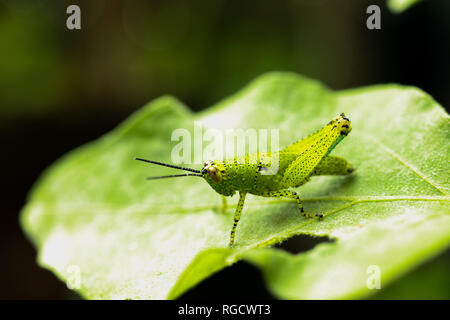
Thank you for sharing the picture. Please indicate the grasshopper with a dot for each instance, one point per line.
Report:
(254, 173)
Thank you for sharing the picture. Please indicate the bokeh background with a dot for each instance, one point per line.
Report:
(60, 88)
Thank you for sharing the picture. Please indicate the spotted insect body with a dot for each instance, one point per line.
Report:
(272, 174)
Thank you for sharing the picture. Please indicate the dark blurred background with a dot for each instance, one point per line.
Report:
(60, 88)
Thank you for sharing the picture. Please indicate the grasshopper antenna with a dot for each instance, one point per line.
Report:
(175, 175)
(170, 166)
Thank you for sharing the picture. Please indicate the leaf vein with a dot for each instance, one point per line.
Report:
(411, 167)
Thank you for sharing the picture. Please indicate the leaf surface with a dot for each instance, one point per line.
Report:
(138, 239)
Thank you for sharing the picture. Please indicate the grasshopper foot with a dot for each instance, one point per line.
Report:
(303, 213)
(307, 215)
(317, 215)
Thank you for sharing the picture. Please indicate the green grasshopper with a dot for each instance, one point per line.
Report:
(254, 173)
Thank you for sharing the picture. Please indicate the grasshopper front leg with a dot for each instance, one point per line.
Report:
(224, 204)
(237, 216)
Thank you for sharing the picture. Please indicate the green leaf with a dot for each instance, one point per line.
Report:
(398, 6)
(430, 281)
(138, 239)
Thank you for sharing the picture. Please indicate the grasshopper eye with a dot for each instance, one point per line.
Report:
(214, 173)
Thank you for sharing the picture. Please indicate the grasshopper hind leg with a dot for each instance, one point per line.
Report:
(292, 195)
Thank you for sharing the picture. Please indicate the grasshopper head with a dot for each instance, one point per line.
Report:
(212, 171)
